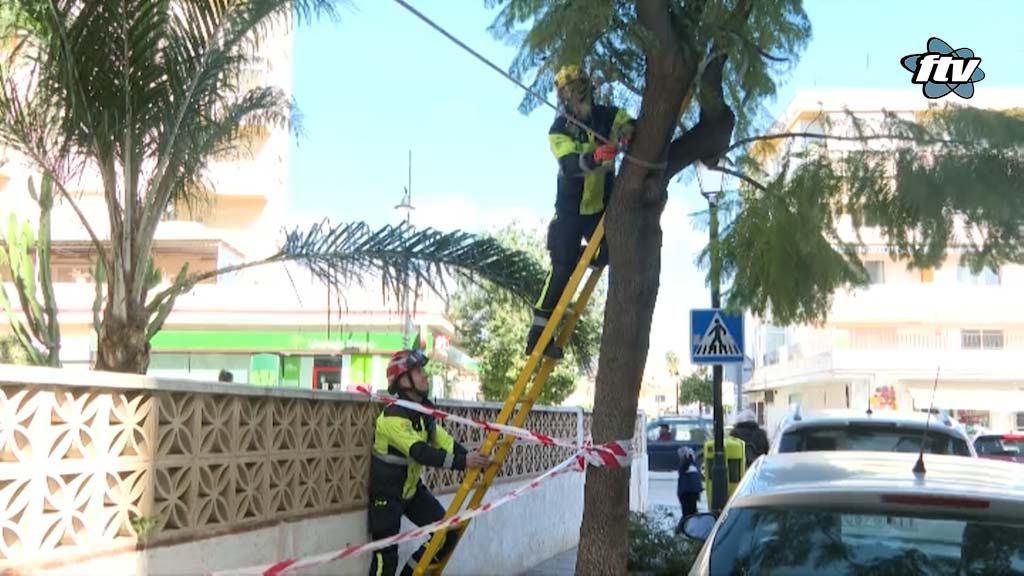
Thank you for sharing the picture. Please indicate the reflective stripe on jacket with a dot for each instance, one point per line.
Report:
(403, 442)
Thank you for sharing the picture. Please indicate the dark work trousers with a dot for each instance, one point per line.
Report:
(688, 501)
(565, 233)
(386, 520)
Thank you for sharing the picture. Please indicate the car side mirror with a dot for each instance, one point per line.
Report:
(699, 526)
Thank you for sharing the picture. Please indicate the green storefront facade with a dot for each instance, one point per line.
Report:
(288, 358)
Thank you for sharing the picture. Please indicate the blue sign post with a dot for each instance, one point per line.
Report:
(715, 337)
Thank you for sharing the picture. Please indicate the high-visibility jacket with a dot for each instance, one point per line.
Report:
(583, 187)
(403, 442)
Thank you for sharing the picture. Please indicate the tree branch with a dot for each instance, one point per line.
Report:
(708, 141)
(670, 72)
(739, 175)
(699, 142)
(817, 135)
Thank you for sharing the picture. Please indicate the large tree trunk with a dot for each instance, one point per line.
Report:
(635, 233)
(634, 237)
(633, 226)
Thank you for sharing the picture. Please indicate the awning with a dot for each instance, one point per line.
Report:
(967, 399)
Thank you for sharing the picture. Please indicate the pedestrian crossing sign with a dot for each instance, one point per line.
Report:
(716, 337)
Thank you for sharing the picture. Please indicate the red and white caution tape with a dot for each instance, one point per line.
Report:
(598, 456)
(612, 454)
(577, 462)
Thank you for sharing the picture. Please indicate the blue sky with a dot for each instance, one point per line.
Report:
(380, 82)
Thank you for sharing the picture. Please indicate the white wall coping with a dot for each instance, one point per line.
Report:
(47, 376)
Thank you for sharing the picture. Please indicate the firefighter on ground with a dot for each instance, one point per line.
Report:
(403, 442)
(586, 169)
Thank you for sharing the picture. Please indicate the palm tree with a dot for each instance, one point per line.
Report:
(143, 93)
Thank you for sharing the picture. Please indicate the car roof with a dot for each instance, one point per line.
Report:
(908, 419)
(671, 419)
(860, 478)
(1005, 436)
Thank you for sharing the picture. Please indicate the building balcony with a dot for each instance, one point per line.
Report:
(914, 353)
(916, 303)
(239, 305)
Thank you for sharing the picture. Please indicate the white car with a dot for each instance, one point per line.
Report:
(867, 513)
(841, 430)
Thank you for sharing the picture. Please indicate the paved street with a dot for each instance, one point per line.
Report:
(661, 499)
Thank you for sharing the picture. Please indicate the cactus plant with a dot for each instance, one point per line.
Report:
(37, 332)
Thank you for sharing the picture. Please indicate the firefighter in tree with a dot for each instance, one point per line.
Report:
(403, 442)
(586, 169)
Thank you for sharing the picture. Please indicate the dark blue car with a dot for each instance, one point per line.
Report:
(665, 435)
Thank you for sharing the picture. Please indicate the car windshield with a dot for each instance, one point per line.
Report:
(793, 541)
(678, 431)
(870, 438)
(1000, 445)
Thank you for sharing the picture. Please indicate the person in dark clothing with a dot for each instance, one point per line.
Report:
(403, 442)
(586, 173)
(753, 436)
(690, 484)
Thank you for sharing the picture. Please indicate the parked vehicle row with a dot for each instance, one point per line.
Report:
(843, 492)
(867, 513)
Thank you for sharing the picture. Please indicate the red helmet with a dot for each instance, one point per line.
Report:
(404, 361)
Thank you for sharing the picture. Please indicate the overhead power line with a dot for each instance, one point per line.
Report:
(531, 91)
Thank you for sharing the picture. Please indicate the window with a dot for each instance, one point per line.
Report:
(876, 271)
(1020, 420)
(820, 538)
(985, 278)
(870, 438)
(981, 339)
(793, 399)
(999, 445)
(678, 431)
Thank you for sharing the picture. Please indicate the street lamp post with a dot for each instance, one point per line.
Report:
(718, 468)
(407, 207)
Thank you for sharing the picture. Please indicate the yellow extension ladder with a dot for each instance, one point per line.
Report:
(516, 398)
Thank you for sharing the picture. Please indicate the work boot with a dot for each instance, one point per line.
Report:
(551, 350)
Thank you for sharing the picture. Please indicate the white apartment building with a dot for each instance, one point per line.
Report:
(885, 344)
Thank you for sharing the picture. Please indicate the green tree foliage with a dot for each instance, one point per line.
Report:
(695, 388)
(672, 363)
(654, 549)
(492, 325)
(950, 179)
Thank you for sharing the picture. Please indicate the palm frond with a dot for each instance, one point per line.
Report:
(402, 256)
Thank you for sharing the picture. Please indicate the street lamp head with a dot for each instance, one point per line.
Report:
(711, 196)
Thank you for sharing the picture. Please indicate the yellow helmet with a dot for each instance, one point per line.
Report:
(567, 75)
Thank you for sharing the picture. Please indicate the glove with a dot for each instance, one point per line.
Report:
(605, 153)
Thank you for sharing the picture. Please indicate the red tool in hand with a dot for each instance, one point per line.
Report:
(605, 153)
